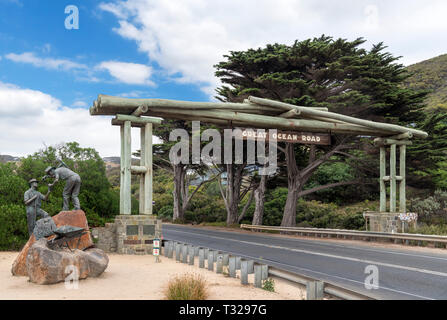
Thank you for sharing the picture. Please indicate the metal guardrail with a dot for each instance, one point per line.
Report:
(327, 287)
(355, 235)
(318, 287)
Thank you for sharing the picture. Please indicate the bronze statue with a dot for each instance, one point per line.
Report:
(72, 186)
(33, 202)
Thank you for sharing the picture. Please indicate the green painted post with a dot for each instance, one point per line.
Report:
(148, 164)
(142, 163)
(393, 178)
(126, 168)
(382, 183)
(402, 194)
(122, 165)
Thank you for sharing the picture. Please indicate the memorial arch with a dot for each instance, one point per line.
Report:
(257, 113)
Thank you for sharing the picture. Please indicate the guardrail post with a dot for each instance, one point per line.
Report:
(250, 266)
(219, 265)
(165, 249)
(171, 249)
(258, 276)
(226, 258)
(191, 255)
(238, 263)
(264, 271)
(314, 290)
(201, 258)
(184, 253)
(211, 260)
(196, 251)
(206, 253)
(177, 251)
(244, 272)
(232, 267)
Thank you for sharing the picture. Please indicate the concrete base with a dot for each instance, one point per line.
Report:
(129, 234)
(383, 222)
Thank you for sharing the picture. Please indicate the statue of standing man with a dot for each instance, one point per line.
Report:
(72, 186)
(33, 202)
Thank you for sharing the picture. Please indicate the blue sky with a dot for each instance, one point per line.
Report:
(49, 75)
(38, 27)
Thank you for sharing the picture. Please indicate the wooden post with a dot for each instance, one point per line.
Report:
(402, 194)
(122, 165)
(143, 164)
(232, 267)
(393, 178)
(148, 164)
(126, 199)
(382, 182)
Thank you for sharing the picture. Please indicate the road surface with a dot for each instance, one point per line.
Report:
(402, 273)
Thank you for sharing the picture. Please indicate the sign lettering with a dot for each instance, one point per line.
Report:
(284, 136)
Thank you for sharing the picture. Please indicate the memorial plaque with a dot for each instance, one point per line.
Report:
(148, 230)
(132, 230)
(287, 136)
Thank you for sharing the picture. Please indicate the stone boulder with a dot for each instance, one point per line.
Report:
(73, 218)
(47, 266)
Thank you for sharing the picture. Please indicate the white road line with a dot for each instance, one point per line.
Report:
(436, 273)
(344, 246)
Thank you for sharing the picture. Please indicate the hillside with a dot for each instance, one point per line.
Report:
(7, 158)
(431, 75)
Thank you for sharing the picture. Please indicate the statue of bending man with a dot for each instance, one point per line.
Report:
(72, 186)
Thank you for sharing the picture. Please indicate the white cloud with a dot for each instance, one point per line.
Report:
(79, 104)
(124, 72)
(47, 63)
(130, 73)
(186, 38)
(30, 118)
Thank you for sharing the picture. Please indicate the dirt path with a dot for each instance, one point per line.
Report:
(136, 278)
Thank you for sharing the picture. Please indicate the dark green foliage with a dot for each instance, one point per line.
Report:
(13, 227)
(202, 209)
(12, 187)
(310, 214)
(427, 158)
(323, 72)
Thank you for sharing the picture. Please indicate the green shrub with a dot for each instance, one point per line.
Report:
(269, 285)
(431, 210)
(13, 227)
(187, 287)
(439, 230)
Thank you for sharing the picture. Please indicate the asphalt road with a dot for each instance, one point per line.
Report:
(402, 273)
